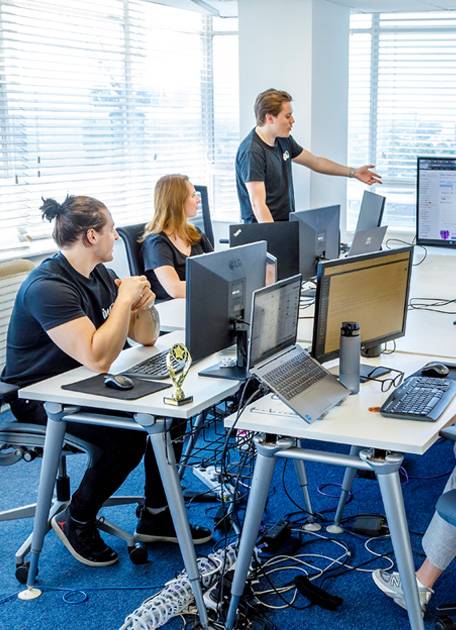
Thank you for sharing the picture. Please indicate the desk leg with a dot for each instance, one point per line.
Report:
(259, 490)
(347, 482)
(387, 471)
(55, 433)
(301, 474)
(164, 454)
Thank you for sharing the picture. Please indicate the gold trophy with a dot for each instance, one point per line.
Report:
(180, 354)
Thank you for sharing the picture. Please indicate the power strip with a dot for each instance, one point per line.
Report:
(210, 476)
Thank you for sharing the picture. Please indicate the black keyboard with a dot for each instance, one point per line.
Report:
(420, 398)
(154, 367)
(294, 376)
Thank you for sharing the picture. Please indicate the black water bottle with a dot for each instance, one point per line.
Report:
(349, 356)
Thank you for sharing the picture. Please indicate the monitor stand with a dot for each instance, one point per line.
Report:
(238, 370)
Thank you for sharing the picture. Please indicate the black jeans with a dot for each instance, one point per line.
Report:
(118, 452)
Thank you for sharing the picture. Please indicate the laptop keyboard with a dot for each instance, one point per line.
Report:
(294, 375)
(154, 367)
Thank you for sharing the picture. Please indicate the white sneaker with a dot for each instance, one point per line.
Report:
(390, 583)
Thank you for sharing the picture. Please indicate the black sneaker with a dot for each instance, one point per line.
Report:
(83, 541)
(160, 528)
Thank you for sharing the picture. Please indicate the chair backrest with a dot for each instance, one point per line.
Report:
(129, 235)
(203, 219)
(12, 274)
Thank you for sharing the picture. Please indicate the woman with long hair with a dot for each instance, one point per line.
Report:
(169, 238)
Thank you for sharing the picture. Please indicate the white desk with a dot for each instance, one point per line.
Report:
(353, 424)
(149, 415)
(172, 314)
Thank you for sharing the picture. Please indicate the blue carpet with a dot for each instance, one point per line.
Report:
(364, 606)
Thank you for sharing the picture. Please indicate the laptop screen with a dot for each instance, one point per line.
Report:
(274, 323)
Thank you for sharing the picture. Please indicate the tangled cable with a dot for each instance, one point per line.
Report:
(177, 594)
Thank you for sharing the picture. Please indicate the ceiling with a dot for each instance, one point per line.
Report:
(387, 6)
(228, 8)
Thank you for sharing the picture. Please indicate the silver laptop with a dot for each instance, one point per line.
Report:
(367, 241)
(275, 359)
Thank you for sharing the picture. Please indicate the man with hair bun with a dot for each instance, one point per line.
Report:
(71, 311)
(264, 177)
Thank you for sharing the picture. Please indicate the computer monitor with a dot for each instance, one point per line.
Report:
(319, 237)
(218, 303)
(370, 212)
(371, 289)
(282, 238)
(436, 201)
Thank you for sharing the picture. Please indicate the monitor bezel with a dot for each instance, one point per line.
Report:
(322, 357)
(429, 242)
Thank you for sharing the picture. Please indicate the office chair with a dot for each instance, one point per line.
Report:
(203, 218)
(129, 235)
(23, 441)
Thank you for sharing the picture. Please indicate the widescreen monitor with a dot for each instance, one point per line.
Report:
(436, 201)
(218, 303)
(371, 289)
(282, 238)
(319, 237)
(370, 211)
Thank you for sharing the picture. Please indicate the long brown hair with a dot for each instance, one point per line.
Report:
(170, 195)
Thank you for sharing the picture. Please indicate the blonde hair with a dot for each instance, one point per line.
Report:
(170, 195)
(270, 102)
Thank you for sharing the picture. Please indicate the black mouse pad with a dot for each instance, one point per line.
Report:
(95, 385)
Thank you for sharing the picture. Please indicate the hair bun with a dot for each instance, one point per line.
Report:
(52, 209)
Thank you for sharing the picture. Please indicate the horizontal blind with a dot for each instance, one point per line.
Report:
(404, 104)
(101, 99)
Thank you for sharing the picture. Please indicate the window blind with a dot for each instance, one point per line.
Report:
(402, 99)
(102, 99)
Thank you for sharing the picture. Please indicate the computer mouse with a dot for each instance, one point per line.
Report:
(434, 368)
(118, 381)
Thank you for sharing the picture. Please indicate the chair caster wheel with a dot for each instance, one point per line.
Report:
(22, 572)
(138, 553)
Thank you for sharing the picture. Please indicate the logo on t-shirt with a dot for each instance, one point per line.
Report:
(106, 311)
(286, 156)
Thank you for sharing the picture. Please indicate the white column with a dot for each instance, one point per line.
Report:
(300, 46)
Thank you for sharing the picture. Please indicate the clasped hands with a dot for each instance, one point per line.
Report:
(137, 290)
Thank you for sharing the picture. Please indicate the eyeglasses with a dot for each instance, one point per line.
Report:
(387, 383)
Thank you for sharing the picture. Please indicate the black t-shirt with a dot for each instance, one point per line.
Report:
(52, 294)
(256, 161)
(158, 251)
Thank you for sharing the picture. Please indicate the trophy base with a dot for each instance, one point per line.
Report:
(177, 403)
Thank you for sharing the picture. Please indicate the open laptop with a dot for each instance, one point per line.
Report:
(275, 359)
(367, 241)
(370, 211)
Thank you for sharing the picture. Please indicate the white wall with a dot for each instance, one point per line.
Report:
(300, 46)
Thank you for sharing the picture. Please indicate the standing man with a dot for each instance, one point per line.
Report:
(263, 162)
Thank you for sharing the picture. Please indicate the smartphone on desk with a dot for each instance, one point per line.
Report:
(369, 372)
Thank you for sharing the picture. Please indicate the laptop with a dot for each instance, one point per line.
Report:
(367, 241)
(371, 211)
(275, 359)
